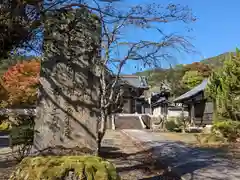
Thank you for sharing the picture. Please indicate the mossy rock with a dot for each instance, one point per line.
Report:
(57, 167)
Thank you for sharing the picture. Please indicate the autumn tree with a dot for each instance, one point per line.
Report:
(20, 83)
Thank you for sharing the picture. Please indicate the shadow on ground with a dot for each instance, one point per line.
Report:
(6, 168)
(192, 161)
(183, 159)
(142, 160)
(7, 163)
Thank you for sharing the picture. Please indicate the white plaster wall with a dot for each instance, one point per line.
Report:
(157, 111)
(171, 113)
(175, 113)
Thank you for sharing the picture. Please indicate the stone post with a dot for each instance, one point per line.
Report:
(68, 94)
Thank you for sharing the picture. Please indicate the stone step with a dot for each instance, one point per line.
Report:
(127, 122)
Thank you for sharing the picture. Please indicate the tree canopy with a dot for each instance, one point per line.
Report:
(192, 79)
(19, 84)
(224, 88)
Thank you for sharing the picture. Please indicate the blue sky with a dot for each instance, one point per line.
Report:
(217, 29)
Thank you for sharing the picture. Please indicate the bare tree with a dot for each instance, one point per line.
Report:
(145, 52)
(116, 23)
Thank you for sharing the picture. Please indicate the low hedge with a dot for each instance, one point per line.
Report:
(173, 124)
(58, 167)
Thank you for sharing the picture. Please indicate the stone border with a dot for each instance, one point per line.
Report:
(144, 147)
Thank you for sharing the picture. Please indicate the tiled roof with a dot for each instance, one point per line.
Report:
(161, 100)
(193, 91)
(135, 81)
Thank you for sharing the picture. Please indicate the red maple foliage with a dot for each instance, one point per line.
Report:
(20, 83)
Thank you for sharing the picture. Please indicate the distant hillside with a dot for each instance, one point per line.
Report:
(174, 75)
(216, 61)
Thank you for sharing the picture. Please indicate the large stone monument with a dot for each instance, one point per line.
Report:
(68, 93)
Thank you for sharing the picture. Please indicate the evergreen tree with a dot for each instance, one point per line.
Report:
(231, 85)
(224, 88)
(192, 79)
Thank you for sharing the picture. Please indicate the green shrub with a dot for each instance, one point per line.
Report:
(22, 133)
(173, 124)
(5, 126)
(228, 129)
(57, 167)
(21, 137)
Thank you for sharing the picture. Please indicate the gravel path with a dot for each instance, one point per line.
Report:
(192, 163)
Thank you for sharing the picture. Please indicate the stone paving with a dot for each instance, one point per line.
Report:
(124, 154)
(191, 163)
(132, 162)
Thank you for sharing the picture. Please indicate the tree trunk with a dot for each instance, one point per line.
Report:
(101, 131)
(214, 110)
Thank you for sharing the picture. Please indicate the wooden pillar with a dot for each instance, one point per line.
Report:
(150, 105)
(134, 109)
(143, 108)
(192, 114)
(183, 119)
(130, 105)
